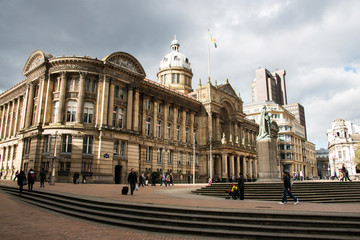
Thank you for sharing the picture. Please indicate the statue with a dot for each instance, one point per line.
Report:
(223, 141)
(237, 140)
(265, 125)
(230, 140)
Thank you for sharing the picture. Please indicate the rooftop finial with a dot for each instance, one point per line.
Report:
(175, 37)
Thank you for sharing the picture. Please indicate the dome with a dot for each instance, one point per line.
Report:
(175, 58)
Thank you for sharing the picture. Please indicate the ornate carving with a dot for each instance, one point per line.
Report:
(123, 62)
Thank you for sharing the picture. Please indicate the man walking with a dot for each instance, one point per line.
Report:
(241, 186)
(132, 179)
(287, 189)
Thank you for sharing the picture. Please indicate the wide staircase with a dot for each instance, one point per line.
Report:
(306, 191)
(193, 222)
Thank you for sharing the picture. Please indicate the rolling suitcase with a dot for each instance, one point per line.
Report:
(125, 190)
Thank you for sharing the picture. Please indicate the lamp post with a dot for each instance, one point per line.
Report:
(52, 179)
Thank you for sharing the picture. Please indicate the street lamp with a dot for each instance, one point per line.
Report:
(52, 178)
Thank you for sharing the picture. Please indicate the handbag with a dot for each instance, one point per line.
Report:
(24, 182)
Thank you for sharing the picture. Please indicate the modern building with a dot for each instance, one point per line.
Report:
(268, 86)
(100, 118)
(296, 153)
(342, 139)
(322, 159)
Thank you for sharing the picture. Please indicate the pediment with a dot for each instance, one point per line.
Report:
(126, 62)
(228, 89)
(36, 59)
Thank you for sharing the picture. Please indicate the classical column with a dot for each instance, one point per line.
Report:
(166, 113)
(232, 166)
(236, 135)
(155, 119)
(210, 127)
(129, 109)
(192, 128)
(12, 112)
(255, 168)
(238, 169)
(183, 127)
(105, 100)
(17, 114)
(62, 95)
(218, 128)
(30, 106)
(143, 123)
(111, 104)
(250, 168)
(175, 123)
(224, 169)
(81, 99)
(6, 119)
(2, 127)
(136, 111)
(40, 100)
(245, 166)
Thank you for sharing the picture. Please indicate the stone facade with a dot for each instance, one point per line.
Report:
(101, 118)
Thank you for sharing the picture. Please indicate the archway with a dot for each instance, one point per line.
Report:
(118, 169)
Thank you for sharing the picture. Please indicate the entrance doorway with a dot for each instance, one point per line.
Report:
(118, 169)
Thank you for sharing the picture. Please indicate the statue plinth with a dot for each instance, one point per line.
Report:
(267, 160)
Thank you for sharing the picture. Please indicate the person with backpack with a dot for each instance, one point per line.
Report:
(287, 189)
(31, 179)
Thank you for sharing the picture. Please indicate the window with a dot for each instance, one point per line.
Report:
(159, 108)
(71, 111)
(114, 117)
(93, 86)
(88, 144)
(64, 167)
(158, 129)
(121, 118)
(86, 166)
(122, 149)
(188, 159)
(66, 143)
(170, 157)
(122, 93)
(339, 153)
(178, 132)
(27, 142)
(116, 148)
(148, 104)
(88, 112)
(148, 154)
(116, 92)
(187, 135)
(179, 158)
(168, 131)
(159, 155)
(47, 143)
(147, 126)
(55, 111)
(87, 85)
(196, 159)
(57, 84)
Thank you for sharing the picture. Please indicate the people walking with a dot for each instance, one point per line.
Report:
(141, 179)
(171, 179)
(146, 180)
(163, 180)
(132, 179)
(345, 173)
(287, 189)
(21, 180)
(335, 176)
(241, 186)
(42, 178)
(31, 179)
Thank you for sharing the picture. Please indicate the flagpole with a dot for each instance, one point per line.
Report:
(210, 159)
(209, 55)
(194, 160)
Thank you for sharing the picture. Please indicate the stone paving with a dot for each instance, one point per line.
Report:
(19, 220)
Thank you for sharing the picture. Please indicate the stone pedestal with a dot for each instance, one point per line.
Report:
(267, 160)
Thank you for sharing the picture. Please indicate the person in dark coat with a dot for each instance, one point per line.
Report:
(42, 177)
(21, 180)
(345, 173)
(132, 179)
(31, 179)
(241, 186)
(287, 189)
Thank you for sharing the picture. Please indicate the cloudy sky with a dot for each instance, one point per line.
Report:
(316, 42)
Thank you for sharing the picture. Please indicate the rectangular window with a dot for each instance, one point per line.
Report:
(147, 126)
(122, 149)
(116, 92)
(66, 143)
(159, 108)
(93, 86)
(148, 104)
(159, 155)
(116, 148)
(87, 85)
(122, 95)
(114, 117)
(88, 144)
(121, 118)
(47, 143)
(86, 166)
(64, 167)
(178, 132)
(170, 157)
(55, 111)
(27, 143)
(158, 129)
(71, 111)
(168, 131)
(188, 159)
(187, 135)
(148, 154)
(179, 158)
(88, 112)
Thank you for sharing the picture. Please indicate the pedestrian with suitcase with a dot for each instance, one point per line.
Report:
(132, 179)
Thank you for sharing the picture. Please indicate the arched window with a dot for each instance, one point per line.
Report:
(71, 111)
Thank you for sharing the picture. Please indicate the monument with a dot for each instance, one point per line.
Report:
(266, 150)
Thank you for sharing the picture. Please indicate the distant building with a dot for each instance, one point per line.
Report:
(342, 139)
(295, 152)
(322, 158)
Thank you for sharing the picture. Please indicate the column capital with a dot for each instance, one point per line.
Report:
(63, 74)
(82, 74)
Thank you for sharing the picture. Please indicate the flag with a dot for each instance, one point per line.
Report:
(213, 40)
